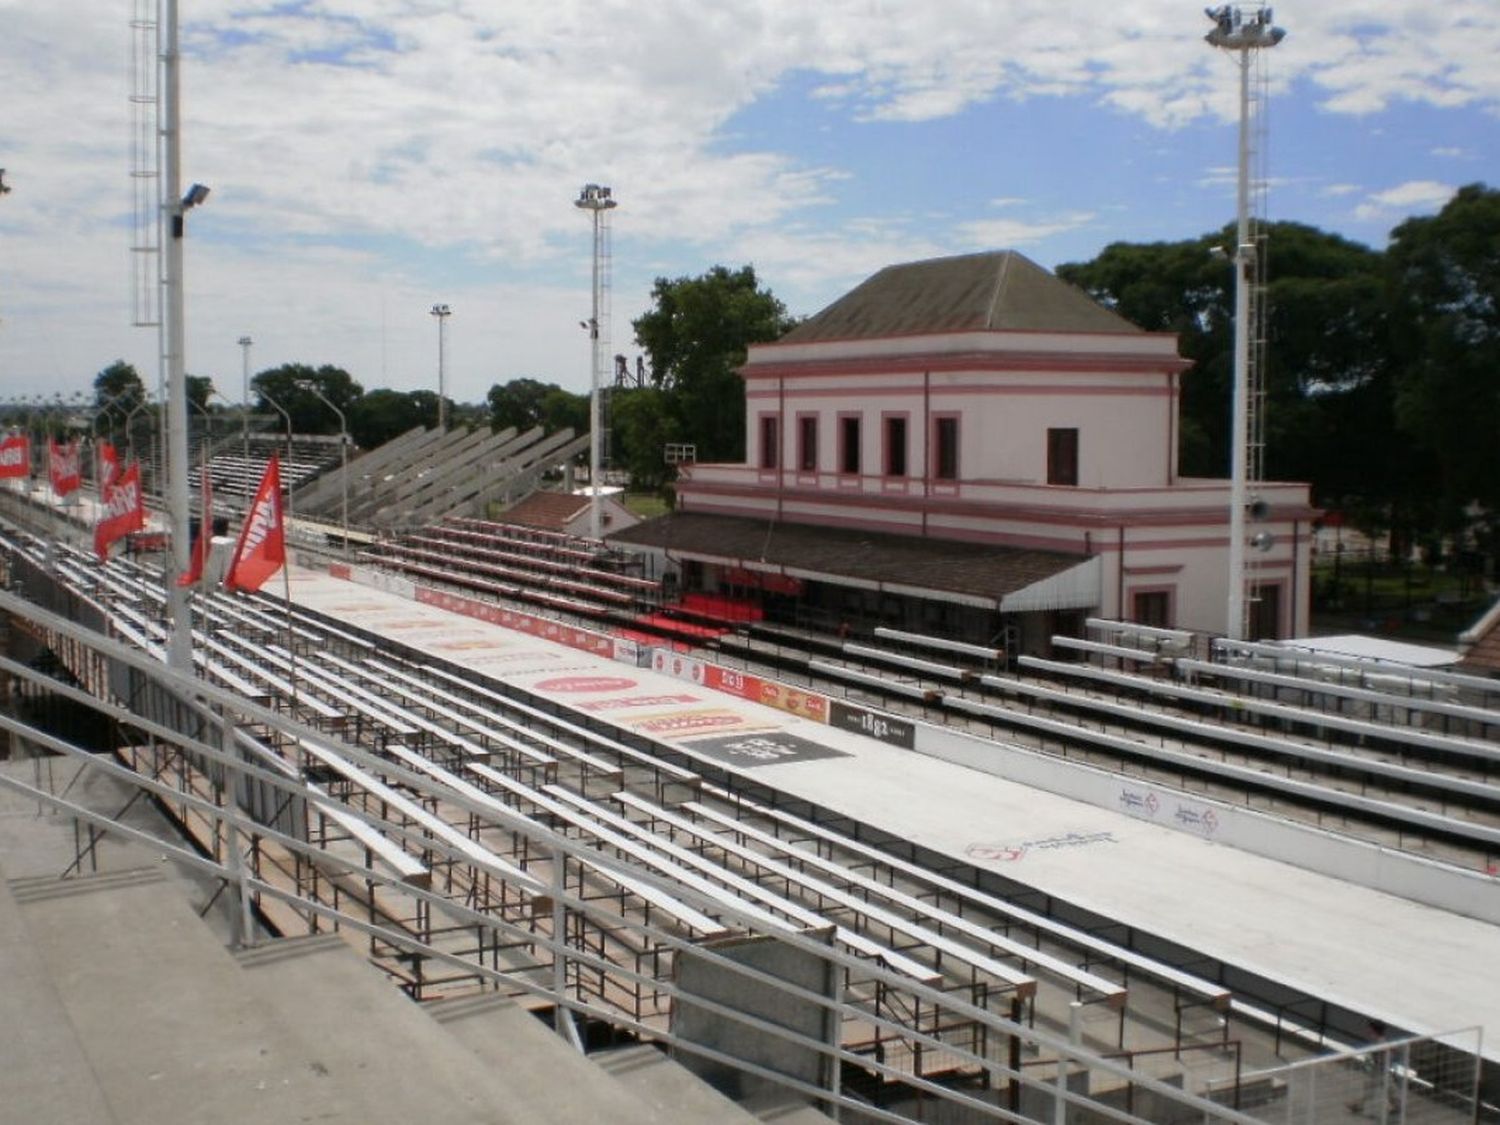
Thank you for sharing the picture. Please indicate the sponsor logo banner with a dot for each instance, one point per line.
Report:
(15, 457)
(1020, 849)
(623, 703)
(546, 628)
(773, 748)
(872, 724)
(680, 724)
(585, 684)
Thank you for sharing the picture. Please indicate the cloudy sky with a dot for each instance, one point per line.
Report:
(369, 158)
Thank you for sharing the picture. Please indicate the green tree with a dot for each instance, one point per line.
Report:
(642, 426)
(1326, 374)
(377, 417)
(696, 333)
(121, 382)
(288, 385)
(517, 404)
(1444, 276)
(198, 389)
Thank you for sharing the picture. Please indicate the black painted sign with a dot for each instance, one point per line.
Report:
(873, 724)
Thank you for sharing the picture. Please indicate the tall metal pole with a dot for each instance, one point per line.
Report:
(343, 457)
(595, 199)
(245, 343)
(442, 312)
(180, 644)
(1236, 32)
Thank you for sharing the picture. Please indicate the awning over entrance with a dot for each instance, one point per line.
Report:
(973, 574)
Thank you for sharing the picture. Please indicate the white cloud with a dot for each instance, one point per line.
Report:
(371, 155)
(1403, 199)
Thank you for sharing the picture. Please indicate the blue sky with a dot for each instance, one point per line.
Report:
(369, 158)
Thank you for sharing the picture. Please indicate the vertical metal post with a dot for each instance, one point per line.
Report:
(563, 1020)
(1239, 438)
(245, 343)
(180, 644)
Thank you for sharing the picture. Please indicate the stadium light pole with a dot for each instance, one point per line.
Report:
(1241, 32)
(343, 458)
(276, 406)
(596, 199)
(245, 342)
(442, 312)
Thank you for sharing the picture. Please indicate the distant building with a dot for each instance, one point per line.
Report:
(568, 513)
(970, 445)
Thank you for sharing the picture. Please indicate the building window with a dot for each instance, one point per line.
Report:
(1152, 607)
(770, 441)
(945, 448)
(895, 446)
(807, 443)
(1062, 456)
(849, 443)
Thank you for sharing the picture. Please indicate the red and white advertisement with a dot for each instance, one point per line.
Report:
(544, 627)
(109, 466)
(199, 556)
(124, 511)
(261, 549)
(63, 466)
(15, 457)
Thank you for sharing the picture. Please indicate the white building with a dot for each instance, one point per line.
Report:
(1003, 443)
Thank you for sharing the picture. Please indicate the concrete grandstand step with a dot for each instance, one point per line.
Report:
(354, 1022)
(169, 1029)
(502, 1034)
(46, 1074)
(670, 1087)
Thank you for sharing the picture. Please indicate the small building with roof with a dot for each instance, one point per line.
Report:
(569, 513)
(972, 446)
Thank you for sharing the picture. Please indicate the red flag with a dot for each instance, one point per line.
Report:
(124, 511)
(15, 457)
(63, 467)
(201, 544)
(261, 550)
(108, 467)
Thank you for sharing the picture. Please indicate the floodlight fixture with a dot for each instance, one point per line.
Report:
(1236, 30)
(196, 195)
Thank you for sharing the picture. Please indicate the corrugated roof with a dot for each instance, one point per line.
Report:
(977, 570)
(550, 511)
(998, 290)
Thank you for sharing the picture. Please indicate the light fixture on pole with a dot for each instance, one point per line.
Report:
(597, 200)
(1241, 31)
(442, 312)
(343, 457)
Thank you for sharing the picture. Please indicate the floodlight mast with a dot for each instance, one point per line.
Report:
(174, 206)
(1236, 29)
(597, 200)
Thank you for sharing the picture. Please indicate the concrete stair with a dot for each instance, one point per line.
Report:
(121, 1007)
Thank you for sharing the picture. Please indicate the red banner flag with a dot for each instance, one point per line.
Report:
(201, 544)
(15, 457)
(124, 511)
(108, 467)
(63, 466)
(261, 550)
